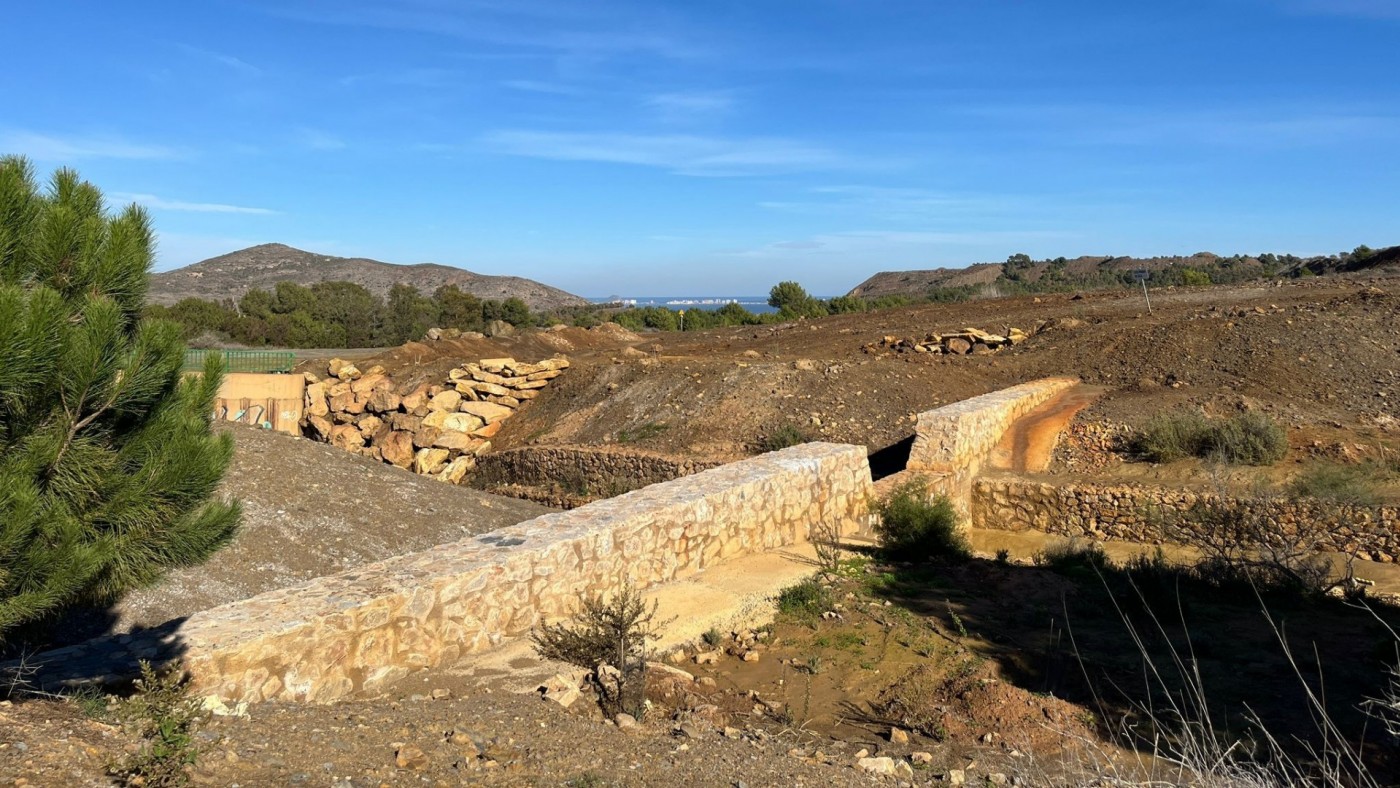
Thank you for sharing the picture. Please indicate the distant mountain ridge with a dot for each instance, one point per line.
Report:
(263, 266)
(1090, 269)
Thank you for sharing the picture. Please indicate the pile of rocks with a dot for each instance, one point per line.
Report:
(436, 430)
(958, 343)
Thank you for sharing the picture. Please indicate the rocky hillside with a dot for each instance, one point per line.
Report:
(263, 266)
(914, 283)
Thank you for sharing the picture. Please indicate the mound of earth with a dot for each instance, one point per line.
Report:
(310, 510)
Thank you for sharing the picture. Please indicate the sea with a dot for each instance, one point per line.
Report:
(755, 304)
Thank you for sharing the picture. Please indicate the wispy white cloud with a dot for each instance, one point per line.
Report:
(539, 86)
(591, 30)
(160, 204)
(230, 61)
(679, 153)
(406, 77)
(890, 203)
(857, 243)
(688, 107)
(67, 148)
(315, 139)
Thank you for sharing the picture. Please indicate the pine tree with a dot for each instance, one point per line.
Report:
(108, 464)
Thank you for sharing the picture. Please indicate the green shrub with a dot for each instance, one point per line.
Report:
(164, 714)
(1245, 439)
(783, 437)
(804, 601)
(607, 631)
(1248, 439)
(1074, 557)
(913, 527)
(1342, 484)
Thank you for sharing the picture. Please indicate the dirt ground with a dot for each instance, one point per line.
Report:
(1322, 355)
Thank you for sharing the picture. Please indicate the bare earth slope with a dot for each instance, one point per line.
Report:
(263, 266)
(311, 510)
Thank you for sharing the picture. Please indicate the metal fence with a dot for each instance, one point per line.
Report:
(243, 360)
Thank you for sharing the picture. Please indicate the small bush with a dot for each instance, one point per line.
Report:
(164, 715)
(1341, 484)
(912, 527)
(1246, 439)
(1249, 439)
(783, 437)
(805, 601)
(1074, 556)
(608, 637)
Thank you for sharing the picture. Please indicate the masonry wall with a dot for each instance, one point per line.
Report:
(1134, 513)
(952, 443)
(355, 631)
(568, 476)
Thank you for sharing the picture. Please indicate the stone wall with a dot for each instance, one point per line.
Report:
(569, 476)
(356, 631)
(953, 442)
(1134, 513)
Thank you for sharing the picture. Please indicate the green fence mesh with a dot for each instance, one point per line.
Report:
(243, 360)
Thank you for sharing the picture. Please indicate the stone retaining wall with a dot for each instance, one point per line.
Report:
(358, 630)
(1134, 513)
(954, 441)
(570, 475)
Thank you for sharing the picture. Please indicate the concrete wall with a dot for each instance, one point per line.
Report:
(1135, 513)
(355, 631)
(272, 402)
(952, 443)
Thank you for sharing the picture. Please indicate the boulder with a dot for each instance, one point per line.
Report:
(489, 412)
(430, 461)
(415, 398)
(321, 425)
(425, 437)
(383, 400)
(367, 383)
(405, 421)
(958, 345)
(369, 425)
(316, 400)
(349, 372)
(509, 402)
(489, 431)
(335, 365)
(462, 422)
(457, 469)
(492, 389)
(499, 328)
(346, 402)
(435, 419)
(446, 400)
(452, 440)
(397, 448)
(347, 437)
(547, 374)
(496, 364)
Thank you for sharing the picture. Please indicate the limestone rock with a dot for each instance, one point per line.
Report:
(447, 400)
(415, 398)
(411, 757)
(898, 736)
(457, 469)
(455, 441)
(436, 419)
(489, 412)
(499, 328)
(368, 383)
(883, 767)
(397, 448)
(347, 436)
(430, 461)
(322, 426)
(316, 400)
(383, 400)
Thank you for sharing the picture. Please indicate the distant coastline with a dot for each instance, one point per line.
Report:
(755, 304)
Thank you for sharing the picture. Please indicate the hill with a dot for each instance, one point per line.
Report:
(263, 266)
(1021, 274)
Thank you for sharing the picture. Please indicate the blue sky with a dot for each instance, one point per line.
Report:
(718, 147)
